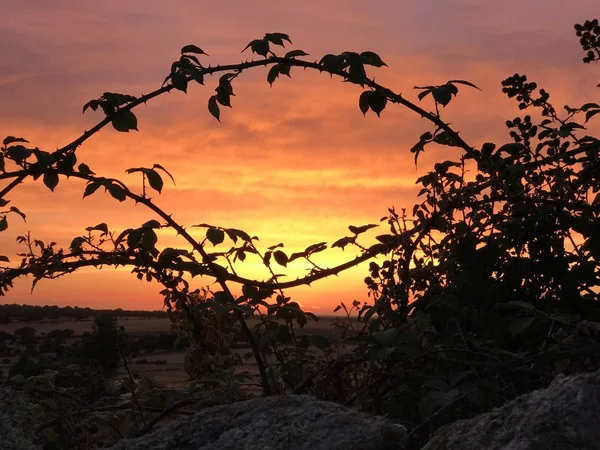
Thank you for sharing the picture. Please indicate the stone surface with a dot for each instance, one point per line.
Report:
(15, 421)
(564, 416)
(293, 422)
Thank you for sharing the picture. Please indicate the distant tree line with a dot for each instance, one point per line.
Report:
(31, 313)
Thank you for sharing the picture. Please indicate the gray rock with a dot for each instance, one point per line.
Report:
(294, 422)
(564, 416)
(15, 421)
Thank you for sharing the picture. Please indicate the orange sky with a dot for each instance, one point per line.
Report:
(296, 163)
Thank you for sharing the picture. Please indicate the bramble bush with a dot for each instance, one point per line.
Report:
(489, 287)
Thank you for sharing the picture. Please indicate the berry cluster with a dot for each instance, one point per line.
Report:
(518, 86)
(589, 38)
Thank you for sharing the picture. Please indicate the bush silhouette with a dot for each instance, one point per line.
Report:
(102, 345)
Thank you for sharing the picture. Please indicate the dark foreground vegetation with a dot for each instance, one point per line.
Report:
(488, 288)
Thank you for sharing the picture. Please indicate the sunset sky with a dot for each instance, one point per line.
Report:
(296, 163)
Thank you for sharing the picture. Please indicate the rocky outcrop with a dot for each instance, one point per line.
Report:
(564, 416)
(15, 419)
(294, 422)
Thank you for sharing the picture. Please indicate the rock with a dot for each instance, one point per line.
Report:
(566, 415)
(15, 421)
(294, 422)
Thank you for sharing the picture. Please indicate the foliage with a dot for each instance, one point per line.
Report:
(26, 334)
(488, 288)
(210, 360)
(78, 407)
(29, 364)
(102, 346)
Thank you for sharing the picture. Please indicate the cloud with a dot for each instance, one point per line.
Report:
(296, 162)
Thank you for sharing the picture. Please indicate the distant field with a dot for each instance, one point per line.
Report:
(137, 325)
(170, 374)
